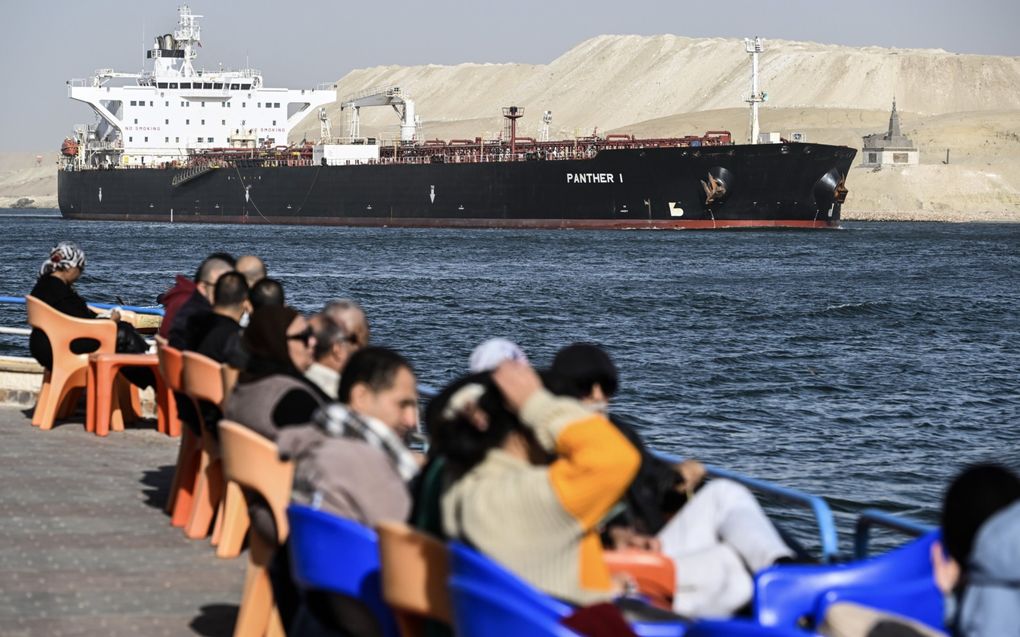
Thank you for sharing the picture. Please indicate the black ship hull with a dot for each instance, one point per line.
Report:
(766, 185)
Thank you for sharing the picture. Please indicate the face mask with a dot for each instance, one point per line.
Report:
(245, 318)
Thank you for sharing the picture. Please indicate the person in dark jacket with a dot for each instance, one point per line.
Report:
(272, 391)
(219, 337)
(55, 287)
(199, 304)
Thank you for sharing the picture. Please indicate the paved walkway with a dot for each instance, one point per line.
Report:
(85, 547)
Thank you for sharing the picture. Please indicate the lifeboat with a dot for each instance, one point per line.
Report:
(69, 148)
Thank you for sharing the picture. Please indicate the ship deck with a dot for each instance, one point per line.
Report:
(87, 548)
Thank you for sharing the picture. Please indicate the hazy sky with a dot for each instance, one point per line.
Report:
(298, 44)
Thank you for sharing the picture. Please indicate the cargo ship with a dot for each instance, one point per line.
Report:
(180, 144)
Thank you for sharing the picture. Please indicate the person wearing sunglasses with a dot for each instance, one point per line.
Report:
(272, 391)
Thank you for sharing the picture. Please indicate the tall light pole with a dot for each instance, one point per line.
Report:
(754, 47)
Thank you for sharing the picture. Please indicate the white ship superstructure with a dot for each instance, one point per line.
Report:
(175, 110)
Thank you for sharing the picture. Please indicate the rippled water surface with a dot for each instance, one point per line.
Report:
(867, 365)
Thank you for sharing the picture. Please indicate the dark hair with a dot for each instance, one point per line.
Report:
(231, 289)
(454, 437)
(329, 334)
(376, 367)
(266, 292)
(211, 262)
(974, 496)
(578, 367)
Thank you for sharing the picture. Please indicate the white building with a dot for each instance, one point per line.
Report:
(891, 148)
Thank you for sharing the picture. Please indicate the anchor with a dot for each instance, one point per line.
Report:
(715, 189)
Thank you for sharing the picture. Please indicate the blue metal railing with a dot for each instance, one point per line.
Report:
(20, 300)
(870, 518)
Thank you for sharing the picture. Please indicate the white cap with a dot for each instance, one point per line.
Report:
(491, 353)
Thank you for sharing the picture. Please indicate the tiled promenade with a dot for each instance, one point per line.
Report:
(85, 547)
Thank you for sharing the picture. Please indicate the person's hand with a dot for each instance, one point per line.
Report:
(517, 382)
(692, 472)
(945, 569)
(623, 537)
(114, 315)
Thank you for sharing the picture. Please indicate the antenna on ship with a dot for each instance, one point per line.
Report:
(512, 114)
(754, 47)
(543, 135)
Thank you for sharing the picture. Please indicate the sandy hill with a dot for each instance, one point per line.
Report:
(671, 85)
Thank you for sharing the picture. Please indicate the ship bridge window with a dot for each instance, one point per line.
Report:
(134, 103)
(166, 121)
(185, 84)
(244, 104)
(161, 84)
(150, 102)
(203, 104)
(173, 84)
(217, 85)
(246, 87)
(207, 85)
(235, 87)
(276, 105)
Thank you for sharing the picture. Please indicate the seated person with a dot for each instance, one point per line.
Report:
(510, 499)
(252, 267)
(978, 571)
(219, 337)
(181, 291)
(333, 346)
(199, 303)
(353, 461)
(719, 538)
(55, 287)
(349, 315)
(272, 391)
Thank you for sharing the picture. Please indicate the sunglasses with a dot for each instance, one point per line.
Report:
(304, 335)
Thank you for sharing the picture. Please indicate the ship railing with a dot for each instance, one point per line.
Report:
(826, 527)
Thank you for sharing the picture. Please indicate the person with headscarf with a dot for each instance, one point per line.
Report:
(55, 287)
(272, 391)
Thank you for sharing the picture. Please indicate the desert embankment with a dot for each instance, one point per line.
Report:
(966, 105)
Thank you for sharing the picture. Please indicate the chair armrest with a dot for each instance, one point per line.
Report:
(919, 600)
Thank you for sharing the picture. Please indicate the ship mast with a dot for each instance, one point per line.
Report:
(754, 47)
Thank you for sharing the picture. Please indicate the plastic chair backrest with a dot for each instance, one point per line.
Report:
(654, 573)
(415, 572)
(919, 599)
(470, 565)
(254, 463)
(332, 554)
(171, 364)
(738, 628)
(483, 611)
(786, 594)
(203, 378)
(61, 329)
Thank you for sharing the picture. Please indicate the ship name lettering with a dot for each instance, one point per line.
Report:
(592, 178)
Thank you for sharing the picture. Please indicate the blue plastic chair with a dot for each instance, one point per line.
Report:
(918, 599)
(737, 628)
(786, 595)
(479, 611)
(469, 566)
(334, 555)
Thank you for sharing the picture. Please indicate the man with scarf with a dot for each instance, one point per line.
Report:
(352, 460)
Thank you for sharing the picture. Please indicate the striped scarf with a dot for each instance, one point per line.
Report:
(338, 421)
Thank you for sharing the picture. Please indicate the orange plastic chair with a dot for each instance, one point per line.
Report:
(415, 577)
(171, 369)
(653, 573)
(110, 402)
(203, 381)
(254, 463)
(70, 371)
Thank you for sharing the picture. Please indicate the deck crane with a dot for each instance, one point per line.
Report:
(403, 105)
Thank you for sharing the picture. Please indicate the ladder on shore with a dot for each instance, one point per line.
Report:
(194, 172)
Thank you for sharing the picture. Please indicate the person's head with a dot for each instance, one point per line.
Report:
(977, 494)
(66, 261)
(266, 292)
(352, 318)
(210, 271)
(231, 293)
(278, 340)
(251, 267)
(584, 371)
(468, 419)
(380, 383)
(332, 343)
